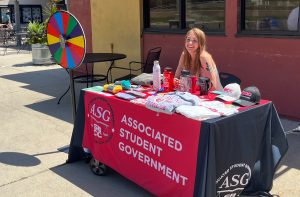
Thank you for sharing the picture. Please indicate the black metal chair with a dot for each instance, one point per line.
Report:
(78, 79)
(23, 38)
(226, 78)
(88, 78)
(7, 39)
(146, 67)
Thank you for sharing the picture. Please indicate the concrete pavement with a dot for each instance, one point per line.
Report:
(33, 128)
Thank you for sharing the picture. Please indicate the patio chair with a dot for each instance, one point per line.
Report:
(226, 78)
(146, 67)
(81, 77)
(24, 44)
(89, 77)
(7, 39)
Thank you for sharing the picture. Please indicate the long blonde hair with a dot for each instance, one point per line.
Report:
(187, 60)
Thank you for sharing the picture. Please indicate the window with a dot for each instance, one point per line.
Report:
(61, 5)
(177, 15)
(208, 15)
(31, 13)
(276, 17)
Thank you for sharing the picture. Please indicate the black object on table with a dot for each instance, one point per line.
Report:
(90, 78)
(227, 78)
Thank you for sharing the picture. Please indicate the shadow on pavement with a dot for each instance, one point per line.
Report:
(26, 160)
(113, 184)
(18, 159)
(23, 64)
(50, 107)
(52, 82)
(288, 125)
(291, 159)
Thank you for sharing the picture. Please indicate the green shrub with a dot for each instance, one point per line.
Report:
(36, 33)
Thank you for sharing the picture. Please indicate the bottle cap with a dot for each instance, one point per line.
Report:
(168, 68)
(185, 73)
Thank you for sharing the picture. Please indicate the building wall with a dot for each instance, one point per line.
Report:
(271, 64)
(82, 11)
(110, 26)
(116, 28)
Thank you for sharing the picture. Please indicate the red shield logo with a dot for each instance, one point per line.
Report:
(100, 120)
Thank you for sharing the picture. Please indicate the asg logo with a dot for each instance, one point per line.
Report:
(232, 182)
(101, 120)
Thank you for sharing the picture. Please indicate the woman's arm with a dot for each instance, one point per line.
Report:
(215, 79)
(215, 74)
(179, 67)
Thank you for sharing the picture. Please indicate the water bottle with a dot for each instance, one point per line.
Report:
(168, 80)
(156, 76)
(185, 81)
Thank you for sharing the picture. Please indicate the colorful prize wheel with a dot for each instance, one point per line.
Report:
(66, 39)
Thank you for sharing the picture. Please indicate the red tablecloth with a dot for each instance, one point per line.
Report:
(171, 155)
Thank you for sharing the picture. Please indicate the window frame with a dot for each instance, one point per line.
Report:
(30, 6)
(261, 33)
(182, 23)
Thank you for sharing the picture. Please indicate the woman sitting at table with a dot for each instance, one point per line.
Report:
(197, 60)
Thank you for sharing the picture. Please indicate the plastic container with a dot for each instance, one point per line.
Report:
(156, 76)
(40, 54)
(185, 81)
(204, 84)
(168, 81)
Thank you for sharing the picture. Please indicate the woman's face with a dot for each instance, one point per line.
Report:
(191, 43)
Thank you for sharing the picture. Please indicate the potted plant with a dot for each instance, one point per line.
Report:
(38, 39)
(37, 35)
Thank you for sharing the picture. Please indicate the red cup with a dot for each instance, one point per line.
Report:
(194, 84)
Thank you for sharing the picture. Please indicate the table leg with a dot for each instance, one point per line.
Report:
(109, 72)
(73, 95)
(63, 95)
(87, 75)
(65, 91)
(92, 76)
